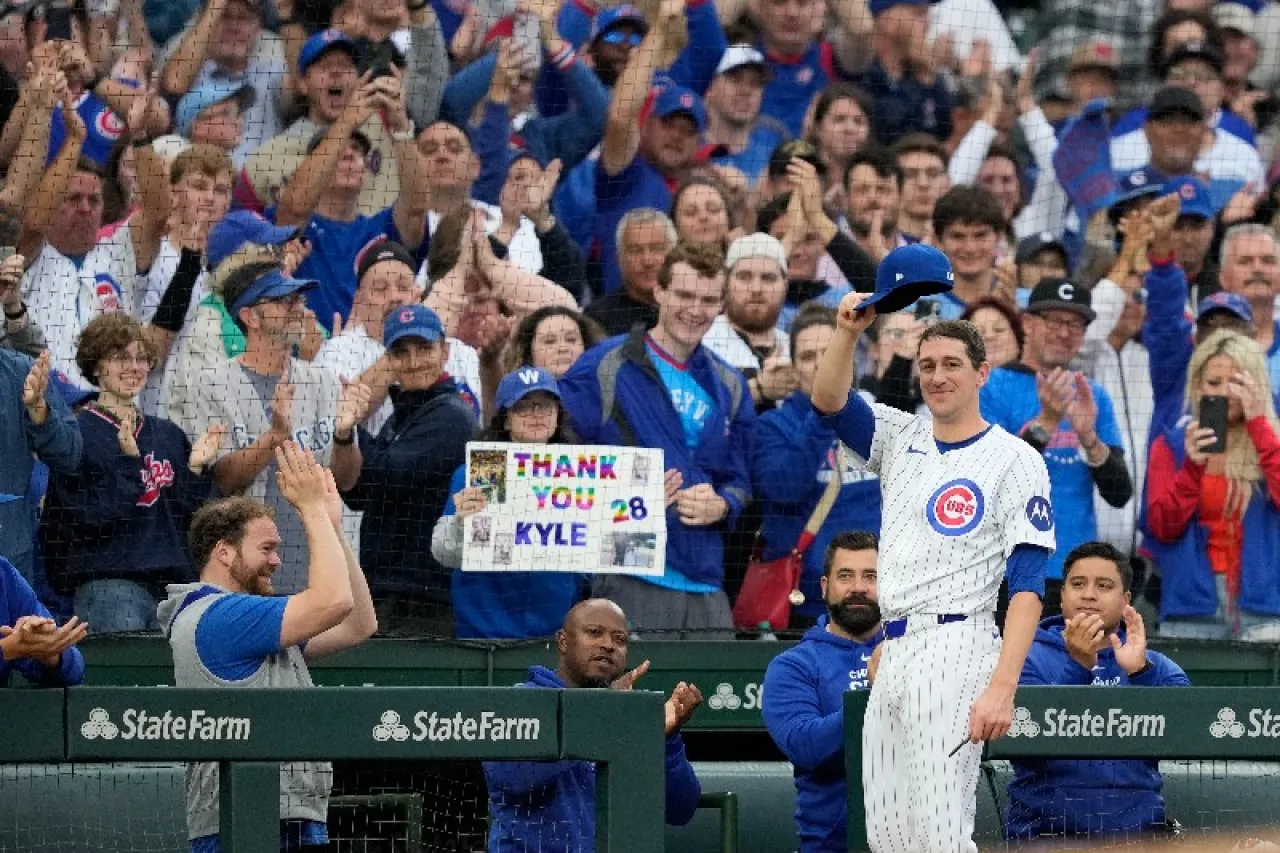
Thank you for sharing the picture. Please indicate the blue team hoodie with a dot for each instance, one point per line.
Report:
(17, 600)
(803, 709)
(1074, 797)
(550, 806)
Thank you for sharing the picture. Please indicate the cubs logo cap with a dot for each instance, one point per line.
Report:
(321, 43)
(1232, 303)
(677, 100)
(1142, 182)
(1058, 294)
(1193, 193)
(908, 273)
(412, 321)
(522, 382)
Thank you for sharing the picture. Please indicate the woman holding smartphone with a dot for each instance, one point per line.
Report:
(1213, 500)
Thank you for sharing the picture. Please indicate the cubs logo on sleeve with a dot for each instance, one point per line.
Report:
(955, 508)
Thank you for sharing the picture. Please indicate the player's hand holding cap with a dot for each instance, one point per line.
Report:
(908, 273)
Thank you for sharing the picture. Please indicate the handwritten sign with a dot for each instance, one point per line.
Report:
(566, 508)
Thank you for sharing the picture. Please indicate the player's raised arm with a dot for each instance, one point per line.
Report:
(327, 600)
(834, 379)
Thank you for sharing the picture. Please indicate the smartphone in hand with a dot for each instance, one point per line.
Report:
(1213, 415)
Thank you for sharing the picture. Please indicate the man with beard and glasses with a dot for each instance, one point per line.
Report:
(1099, 641)
(268, 397)
(551, 806)
(230, 629)
(804, 689)
(746, 335)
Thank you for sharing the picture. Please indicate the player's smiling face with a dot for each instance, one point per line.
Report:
(1093, 586)
(948, 380)
(257, 558)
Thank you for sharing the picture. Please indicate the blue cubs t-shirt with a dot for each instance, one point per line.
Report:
(691, 401)
(1009, 399)
(693, 405)
(335, 250)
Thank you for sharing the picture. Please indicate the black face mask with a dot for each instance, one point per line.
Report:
(857, 614)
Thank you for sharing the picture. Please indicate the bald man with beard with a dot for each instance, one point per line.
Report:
(551, 806)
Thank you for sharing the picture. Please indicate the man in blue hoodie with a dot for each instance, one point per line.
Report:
(30, 641)
(804, 689)
(550, 807)
(1099, 640)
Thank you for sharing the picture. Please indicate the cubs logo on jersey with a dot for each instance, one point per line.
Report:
(156, 474)
(106, 292)
(955, 508)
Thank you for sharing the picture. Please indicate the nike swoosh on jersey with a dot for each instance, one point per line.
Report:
(913, 450)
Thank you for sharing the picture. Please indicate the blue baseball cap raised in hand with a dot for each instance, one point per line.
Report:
(908, 273)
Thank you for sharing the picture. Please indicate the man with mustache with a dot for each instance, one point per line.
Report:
(550, 806)
(804, 689)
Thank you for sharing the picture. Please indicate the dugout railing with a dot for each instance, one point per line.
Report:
(250, 732)
(1164, 723)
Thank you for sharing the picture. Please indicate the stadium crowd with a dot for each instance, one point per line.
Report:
(241, 238)
(352, 224)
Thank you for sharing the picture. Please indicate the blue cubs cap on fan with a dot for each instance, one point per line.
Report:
(321, 43)
(1232, 303)
(1194, 195)
(677, 100)
(271, 286)
(880, 6)
(412, 321)
(522, 382)
(612, 17)
(1138, 183)
(908, 273)
(206, 96)
(240, 227)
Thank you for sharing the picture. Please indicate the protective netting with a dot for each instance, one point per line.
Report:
(382, 807)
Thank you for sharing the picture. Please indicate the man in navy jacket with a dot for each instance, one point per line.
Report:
(550, 807)
(804, 687)
(30, 641)
(1099, 640)
(663, 388)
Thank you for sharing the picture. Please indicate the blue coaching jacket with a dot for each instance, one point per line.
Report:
(793, 457)
(803, 709)
(614, 396)
(17, 599)
(1072, 797)
(1188, 585)
(550, 806)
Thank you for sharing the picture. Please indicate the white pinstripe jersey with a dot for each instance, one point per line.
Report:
(951, 520)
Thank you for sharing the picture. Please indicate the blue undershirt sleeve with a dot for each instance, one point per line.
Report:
(238, 632)
(1025, 569)
(855, 424)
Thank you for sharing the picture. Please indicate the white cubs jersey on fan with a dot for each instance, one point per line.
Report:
(951, 519)
(63, 298)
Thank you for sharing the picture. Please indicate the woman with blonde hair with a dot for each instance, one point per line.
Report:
(1214, 517)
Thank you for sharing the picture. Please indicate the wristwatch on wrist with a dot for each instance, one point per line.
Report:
(1146, 665)
(1036, 436)
(16, 315)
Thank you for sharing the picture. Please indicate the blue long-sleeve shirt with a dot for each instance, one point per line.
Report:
(569, 136)
(1079, 797)
(803, 709)
(56, 443)
(17, 599)
(550, 806)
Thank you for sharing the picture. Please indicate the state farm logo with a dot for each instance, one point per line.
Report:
(1226, 725)
(1258, 722)
(724, 699)
(1023, 725)
(156, 475)
(433, 726)
(138, 724)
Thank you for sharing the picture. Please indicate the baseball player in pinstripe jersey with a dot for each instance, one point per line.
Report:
(965, 504)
